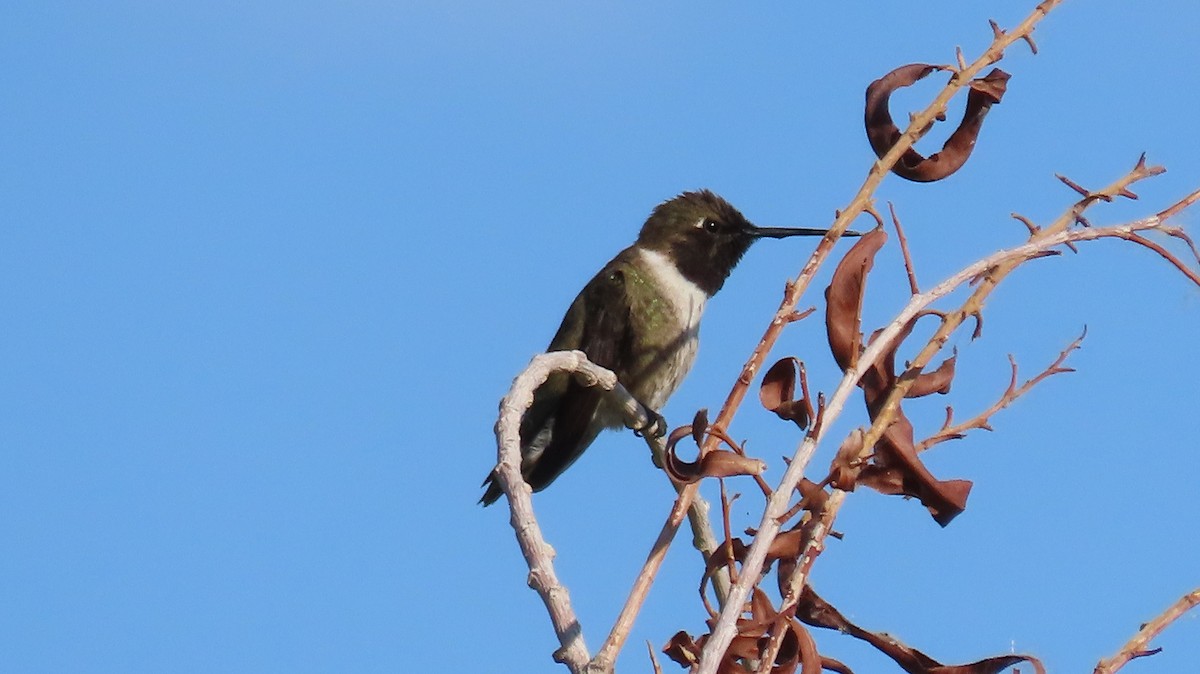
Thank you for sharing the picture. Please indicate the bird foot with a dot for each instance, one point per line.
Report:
(655, 426)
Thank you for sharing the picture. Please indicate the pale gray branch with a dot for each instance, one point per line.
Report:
(538, 553)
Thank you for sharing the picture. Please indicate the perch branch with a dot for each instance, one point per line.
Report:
(537, 552)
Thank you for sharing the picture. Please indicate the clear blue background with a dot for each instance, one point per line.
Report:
(266, 269)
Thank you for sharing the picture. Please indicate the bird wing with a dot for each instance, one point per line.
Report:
(597, 324)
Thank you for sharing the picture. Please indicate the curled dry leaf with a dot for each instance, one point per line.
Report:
(716, 463)
(842, 473)
(896, 452)
(786, 545)
(832, 665)
(699, 423)
(883, 133)
(895, 467)
(815, 611)
(884, 372)
(682, 649)
(797, 650)
(807, 654)
(937, 381)
(725, 554)
(754, 634)
(778, 393)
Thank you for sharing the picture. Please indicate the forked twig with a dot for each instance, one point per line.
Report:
(1137, 646)
(952, 431)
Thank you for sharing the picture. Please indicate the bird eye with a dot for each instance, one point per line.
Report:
(711, 226)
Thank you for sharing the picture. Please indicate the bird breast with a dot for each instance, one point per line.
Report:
(680, 307)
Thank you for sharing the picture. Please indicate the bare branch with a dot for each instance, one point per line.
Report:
(538, 553)
(1179, 206)
(1137, 646)
(903, 240)
(653, 659)
(982, 420)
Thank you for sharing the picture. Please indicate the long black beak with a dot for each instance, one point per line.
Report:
(784, 232)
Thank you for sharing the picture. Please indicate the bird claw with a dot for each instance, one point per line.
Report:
(655, 426)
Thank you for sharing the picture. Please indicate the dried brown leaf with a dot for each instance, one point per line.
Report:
(715, 463)
(843, 472)
(944, 499)
(778, 393)
(895, 467)
(682, 649)
(812, 494)
(883, 133)
(937, 381)
(833, 665)
(699, 423)
(815, 611)
(844, 297)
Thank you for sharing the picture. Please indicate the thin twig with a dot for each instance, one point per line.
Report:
(1179, 205)
(903, 240)
(726, 505)
(698, 516)
(1137, 646)
(653, 659)
(952, 431)
(1167, 255)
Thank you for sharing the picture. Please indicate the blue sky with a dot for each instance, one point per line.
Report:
(266, 269)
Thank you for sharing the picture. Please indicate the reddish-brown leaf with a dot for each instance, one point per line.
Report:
(833, 665)
(699, 424)
(844, 297)
(813, 494)
(815, 611)
(896, 450)
(715, 463)
(882, 132)
(937, 381)
(883, 375)
(843, 473)
(895, 467)
(778, 393)
(682, 649)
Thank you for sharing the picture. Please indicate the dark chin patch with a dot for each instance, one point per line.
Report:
(709, 268)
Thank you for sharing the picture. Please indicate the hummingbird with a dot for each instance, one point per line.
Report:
(639, 317)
